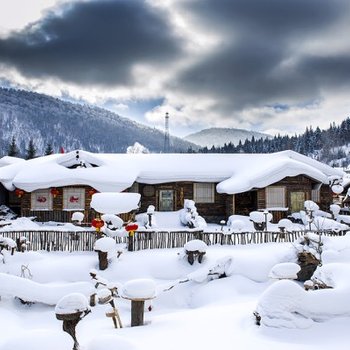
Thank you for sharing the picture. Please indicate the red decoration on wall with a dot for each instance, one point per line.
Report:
(74, 199)
(41, 199)
(97, 223)
(55, 192)
(19, 193)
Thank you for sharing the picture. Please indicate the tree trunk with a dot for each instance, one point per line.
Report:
(102, 260)
(137, 312)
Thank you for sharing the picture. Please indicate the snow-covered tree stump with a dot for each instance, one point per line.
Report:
(71, 309)
(104, 247)
(195, 249)
(308, 264)
(138, 291)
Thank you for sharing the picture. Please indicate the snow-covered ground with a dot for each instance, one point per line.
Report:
(192, 308)
(204, 312)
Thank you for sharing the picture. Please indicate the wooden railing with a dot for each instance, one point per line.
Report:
(84, 240)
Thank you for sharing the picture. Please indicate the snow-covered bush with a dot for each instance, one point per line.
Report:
(260, 219)
(335, 209)
(113, 225)
(148, 219)
(190, 217)
(285, 225)
(235, 225)
(78, 217)
(137, 148)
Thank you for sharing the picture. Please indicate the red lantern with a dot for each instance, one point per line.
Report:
(91, 192)
(97, 223)
(131, 228)
(19, 193)
(55, 192)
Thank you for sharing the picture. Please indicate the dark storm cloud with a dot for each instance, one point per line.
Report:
(258, 62)
(92, 42)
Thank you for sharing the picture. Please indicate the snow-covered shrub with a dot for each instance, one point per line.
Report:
(190, 217)
(113, 224)
(235, 225)
(285, 225)
(335, 209)
(137, 148)
(78, 217)
(311, 206)
(260, 219)
(148, 219)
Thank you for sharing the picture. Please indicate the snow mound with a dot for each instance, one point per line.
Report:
(284, 270)
(35, 292)
(259, 216)
(111, 342)
(286, 304)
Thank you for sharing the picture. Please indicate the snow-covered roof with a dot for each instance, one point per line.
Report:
(234, 173)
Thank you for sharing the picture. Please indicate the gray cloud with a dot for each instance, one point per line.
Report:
(258, 38)
(95, 42)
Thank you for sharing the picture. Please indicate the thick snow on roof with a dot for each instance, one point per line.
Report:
(115, 203)
(235, 173)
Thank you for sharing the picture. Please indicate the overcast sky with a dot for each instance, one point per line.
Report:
(264, 65)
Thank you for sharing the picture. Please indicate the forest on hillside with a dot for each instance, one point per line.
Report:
(328, 146)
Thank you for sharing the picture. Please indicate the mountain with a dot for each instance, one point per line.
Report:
(219, 136)
(44, 119)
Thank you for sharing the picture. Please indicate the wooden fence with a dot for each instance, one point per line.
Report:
(84, 240)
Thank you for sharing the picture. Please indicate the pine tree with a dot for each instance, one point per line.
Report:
(31, 150)
(13, 150)
(48, 149)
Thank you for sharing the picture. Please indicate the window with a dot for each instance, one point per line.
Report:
(73, 199)
(275, 197)
(316, 196)
(316, 193)
(41, 200)
(203, 192)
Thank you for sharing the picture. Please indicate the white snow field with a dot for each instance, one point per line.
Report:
(192, 308)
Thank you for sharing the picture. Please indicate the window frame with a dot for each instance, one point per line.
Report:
(282, 194)
(69, 192)
(210, 188)
(34, 199)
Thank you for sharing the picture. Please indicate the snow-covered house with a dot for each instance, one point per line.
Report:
(51, 187)
(4, 194)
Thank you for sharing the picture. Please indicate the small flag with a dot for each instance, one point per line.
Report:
(62, 150)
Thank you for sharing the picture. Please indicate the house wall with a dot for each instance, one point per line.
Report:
(212, 212)
(223, 206)
(296, 184)
(57, 214)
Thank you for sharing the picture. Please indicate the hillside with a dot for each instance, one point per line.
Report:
(27, 115)
(217, 137)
